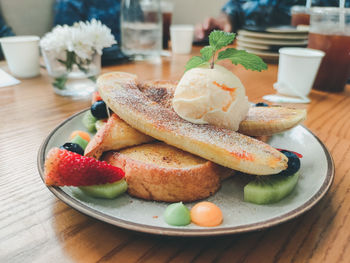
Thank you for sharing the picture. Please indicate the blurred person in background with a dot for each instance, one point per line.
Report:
(67, 12)
(5, 31)
(236, 14)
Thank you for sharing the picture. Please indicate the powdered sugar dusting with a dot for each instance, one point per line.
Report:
(270, 114)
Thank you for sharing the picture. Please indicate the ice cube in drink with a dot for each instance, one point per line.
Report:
(143, 39)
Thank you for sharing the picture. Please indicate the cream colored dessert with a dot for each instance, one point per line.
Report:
(215, 96)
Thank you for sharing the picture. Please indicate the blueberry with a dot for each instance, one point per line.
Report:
(99, 110)
(73, 147)
(261, 104)
(293, 163)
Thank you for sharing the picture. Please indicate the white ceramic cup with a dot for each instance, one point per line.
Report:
(22, 55)
(297, 68)
(181, 38)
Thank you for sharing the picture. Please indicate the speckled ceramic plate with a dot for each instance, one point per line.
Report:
(317, 171)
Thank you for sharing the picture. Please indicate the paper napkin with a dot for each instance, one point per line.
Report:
(7, 80)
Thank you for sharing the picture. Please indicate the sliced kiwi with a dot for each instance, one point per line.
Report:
(80, 141)
(89, 121)
(270, 189)
(108, 191)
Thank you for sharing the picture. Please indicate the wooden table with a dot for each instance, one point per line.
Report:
(37, 227)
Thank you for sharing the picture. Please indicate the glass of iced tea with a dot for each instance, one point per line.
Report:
(167, 11)
(330, 32)
(300, 15)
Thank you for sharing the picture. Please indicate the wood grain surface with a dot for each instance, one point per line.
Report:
(37, 227)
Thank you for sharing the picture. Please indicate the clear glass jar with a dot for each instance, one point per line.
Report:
(141, 27)
(76, 79)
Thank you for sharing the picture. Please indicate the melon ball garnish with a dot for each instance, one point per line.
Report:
(206, 214)
(177, 214)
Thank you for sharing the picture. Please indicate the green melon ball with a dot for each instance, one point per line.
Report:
(177, 214)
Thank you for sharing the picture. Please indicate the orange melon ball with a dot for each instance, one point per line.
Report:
(82, 134)
(206, 214)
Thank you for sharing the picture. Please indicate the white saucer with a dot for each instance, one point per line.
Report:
(270, 56)
(284, 99)
(272, 41)
(253, 46)
(260, 35)
(287, 29)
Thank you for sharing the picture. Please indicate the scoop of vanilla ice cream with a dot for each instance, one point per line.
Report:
(214, 96)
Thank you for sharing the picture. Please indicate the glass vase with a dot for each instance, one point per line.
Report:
(72, 75)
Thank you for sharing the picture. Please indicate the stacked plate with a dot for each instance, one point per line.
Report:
(265, 42)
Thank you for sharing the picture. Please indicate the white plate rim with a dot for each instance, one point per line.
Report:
(72, 202)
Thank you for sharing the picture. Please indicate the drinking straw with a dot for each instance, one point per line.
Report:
(308, 3)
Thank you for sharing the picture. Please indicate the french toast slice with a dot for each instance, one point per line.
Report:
(260, 121)
(222, 146)
(114, 135)
(157, 171)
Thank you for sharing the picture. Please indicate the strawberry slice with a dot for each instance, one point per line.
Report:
(63, 167)
(297, 154)
(95, 97)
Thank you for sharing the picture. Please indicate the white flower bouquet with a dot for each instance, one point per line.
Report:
(69, 48)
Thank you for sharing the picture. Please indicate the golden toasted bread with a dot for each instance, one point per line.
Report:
(160, 172)
(225, 147)
(114, 135)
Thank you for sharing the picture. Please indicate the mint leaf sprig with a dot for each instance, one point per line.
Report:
(218, 40)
